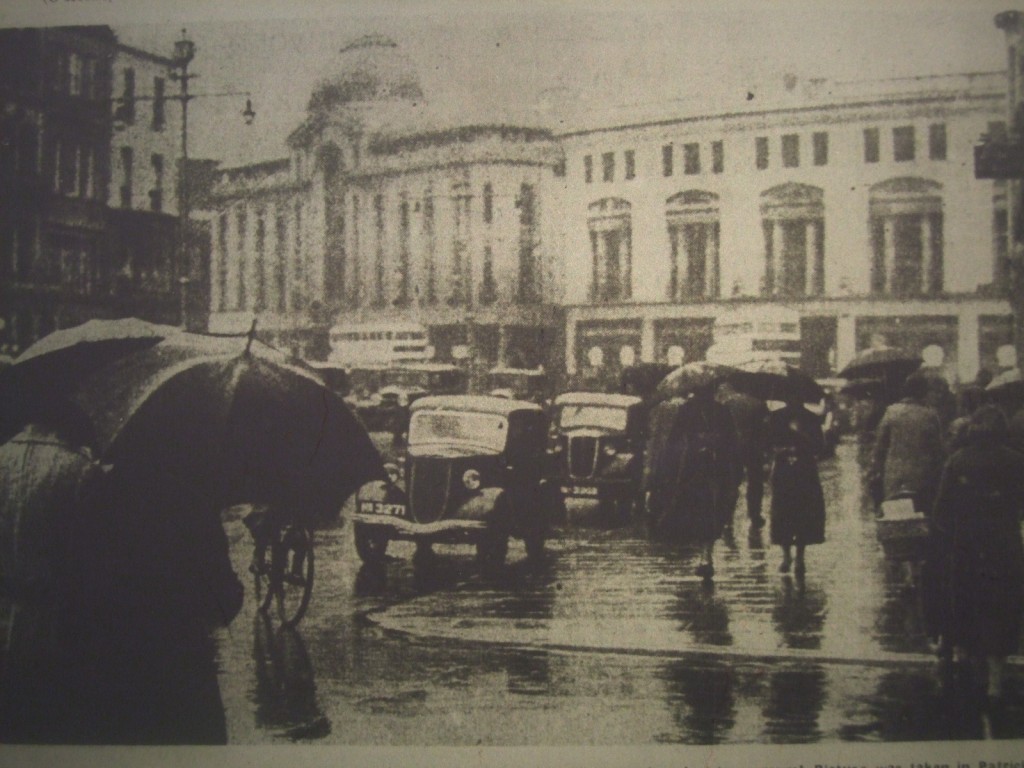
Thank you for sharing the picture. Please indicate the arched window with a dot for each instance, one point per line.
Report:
(693, 231)
(907, 239)
(611, 245)
(793, 219)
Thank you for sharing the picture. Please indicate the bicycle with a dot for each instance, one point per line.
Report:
(283, 567)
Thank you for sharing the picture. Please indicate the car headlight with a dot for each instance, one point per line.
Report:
(556, 448)
(609, 450)
(393, 473)
(471, 479)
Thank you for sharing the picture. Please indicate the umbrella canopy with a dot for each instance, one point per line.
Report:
(1007, 384)
(864, 389)
(690, 377)
(240, 421)
(887, 363)
(776, 380)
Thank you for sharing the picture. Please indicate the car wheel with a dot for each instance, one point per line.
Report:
(371, 545)
(491, 550)
(534, 542)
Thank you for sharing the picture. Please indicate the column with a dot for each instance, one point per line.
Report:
(778, 252)
(846, 340)
(646, 340)
(601, 289)
(570, 344)
(683, 272)
(711, 264)
(927, 254)
(810, 255)
(889, 253)
(968, 355)
(502, 344)
(673, 285)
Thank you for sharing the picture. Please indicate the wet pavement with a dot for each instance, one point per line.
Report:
(611, 640)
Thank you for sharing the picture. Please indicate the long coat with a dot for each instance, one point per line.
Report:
(908, 453)
(694, 470)
(976, 524)
(798, 503)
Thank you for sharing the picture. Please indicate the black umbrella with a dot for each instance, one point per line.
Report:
(776, 380)
(240, 421)
(690, 377)
(1007, 385)
(888, 363)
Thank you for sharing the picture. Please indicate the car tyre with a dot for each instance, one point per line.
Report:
(534, 542)
(371, 545)
(491, 550)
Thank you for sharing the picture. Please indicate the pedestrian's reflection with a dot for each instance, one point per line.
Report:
(794, 700)
(529, 673)
(799, 614)
(701, 699)
(285, 691)
(701, 613)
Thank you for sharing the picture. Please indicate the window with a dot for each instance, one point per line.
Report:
(88, 173)
(717, 157)
(588, 168)
(608, 166)
(666, 160)
(820, 148)
(937, 141)
(559, 169)
(89, 77)
(611, 242)
(761, 152)
(693, 230)
(903, 143)
(126, 112)
(871, 145)
(159, 117)
(488, 203)
(127, 161)
(630, 159)
(791, 151)
(691, 158)
(75, 75)
(157, 193)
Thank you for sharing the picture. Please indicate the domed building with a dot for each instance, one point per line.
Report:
(386, 210)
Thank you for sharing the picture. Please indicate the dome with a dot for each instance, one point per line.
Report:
(370, 69)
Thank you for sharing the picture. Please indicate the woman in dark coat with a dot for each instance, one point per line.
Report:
(798, 504)
(694, 475)
(976, 520)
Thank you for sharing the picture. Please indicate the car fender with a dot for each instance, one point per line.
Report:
(381, 490)
(621, 465)
(487, 504)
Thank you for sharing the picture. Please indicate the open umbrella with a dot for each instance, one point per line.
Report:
(776, 380)
(888, 363)
(238, 420)
(49, 369)
(692, 376)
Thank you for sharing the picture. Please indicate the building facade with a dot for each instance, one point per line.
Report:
(622, 237)
(72, 247)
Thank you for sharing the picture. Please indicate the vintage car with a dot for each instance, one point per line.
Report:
(531, 384)
(473, 474)
(597, 448)
(396, 387)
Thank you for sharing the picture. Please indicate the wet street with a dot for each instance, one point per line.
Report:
(612, 640)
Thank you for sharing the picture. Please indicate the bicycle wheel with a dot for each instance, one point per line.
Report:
(291, 574)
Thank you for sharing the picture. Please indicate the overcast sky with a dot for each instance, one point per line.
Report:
(504, 57)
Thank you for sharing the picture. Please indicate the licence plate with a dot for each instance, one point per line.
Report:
(381, 508)
(579, 490)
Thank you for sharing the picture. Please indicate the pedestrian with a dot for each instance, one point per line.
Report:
(798, 502)
(909, 449)
(44, 472)
(748, 414)
(694, 474)
(976, 518)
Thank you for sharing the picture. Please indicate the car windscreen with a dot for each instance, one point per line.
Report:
(481, 429)
(595, 416)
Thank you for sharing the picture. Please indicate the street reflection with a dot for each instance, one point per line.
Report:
(285, 689)
(702, 613)
(799, 613)
(701, 699)
(793, 704)
(529, 673)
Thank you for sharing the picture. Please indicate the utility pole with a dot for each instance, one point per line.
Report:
(1002, 157)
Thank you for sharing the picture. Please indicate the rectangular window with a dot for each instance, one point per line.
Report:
(588, 168)
(903, 143)
(488, 212)
(717, 157)
(666, 160)
(630, 158)
(608, 166)
(691, 158)
(872, 154)
(157, 193)
(159, 117)
(127, 161)
(761, 152)
(89, 77)
(70, 157)
(127, 107)
(86, 173)
(75, 75)
(937, 141)
(820, 140)
(791, 151)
